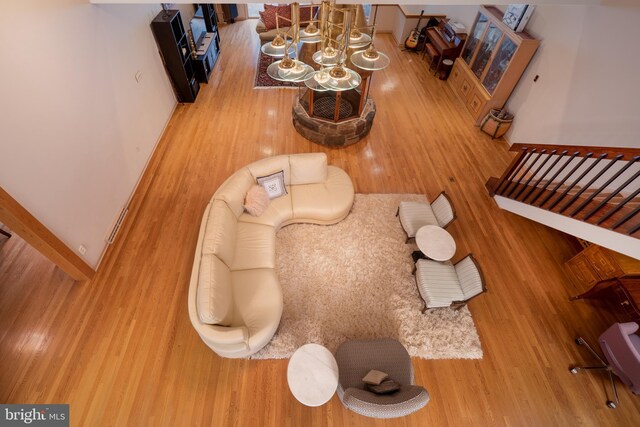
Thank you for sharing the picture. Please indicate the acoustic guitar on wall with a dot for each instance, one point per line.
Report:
(412, 41)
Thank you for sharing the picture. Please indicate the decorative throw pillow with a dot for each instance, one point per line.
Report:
(273, 184)
(285, 12)
(268, 17)
(305, 13)
(385, 387)
(374, 377)
(257, 200)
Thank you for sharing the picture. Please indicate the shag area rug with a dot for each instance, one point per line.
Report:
(262, 78)
(353, 280)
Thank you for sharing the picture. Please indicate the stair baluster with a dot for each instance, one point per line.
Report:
(609, 194)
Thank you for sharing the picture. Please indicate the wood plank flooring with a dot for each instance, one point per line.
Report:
(120, 349)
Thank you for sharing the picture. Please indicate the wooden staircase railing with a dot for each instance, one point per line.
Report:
(598, 185)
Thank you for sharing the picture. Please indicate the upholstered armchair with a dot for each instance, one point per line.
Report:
(414, 215)
(449, 285)
(356, 358)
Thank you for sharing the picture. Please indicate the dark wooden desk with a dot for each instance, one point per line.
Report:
(600, 273)
(622, 292)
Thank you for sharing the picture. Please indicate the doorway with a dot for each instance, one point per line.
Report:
(254, 9)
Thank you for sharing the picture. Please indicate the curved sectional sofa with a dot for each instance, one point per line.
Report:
(235, 301)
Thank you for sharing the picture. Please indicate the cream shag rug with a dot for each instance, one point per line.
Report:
(353, 280)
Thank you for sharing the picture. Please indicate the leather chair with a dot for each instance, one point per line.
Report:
(621, 347)
(235, 300)
(356, 358)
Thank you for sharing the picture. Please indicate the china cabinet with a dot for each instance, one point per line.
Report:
(492, 61)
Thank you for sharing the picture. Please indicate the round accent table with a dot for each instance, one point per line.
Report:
(436, 243)
(312, 375)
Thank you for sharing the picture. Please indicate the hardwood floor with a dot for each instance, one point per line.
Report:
(121, 350)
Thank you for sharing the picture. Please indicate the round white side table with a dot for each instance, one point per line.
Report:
(312, 375)
(436, 243)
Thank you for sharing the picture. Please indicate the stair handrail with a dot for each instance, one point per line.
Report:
(531, 165)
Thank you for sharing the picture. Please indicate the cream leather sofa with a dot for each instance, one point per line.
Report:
(268, 35)
(235, 301)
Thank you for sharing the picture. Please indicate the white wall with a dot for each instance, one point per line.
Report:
(76, 130)
(402, 27)
(385, 19)
(463, 14)
(588, 90)
(187, 11)
(613, 240)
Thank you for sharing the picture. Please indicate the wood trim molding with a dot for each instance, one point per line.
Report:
(18, 219)
(415, 15)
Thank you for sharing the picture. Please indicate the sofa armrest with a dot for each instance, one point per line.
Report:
(407, 400)
(224, 335)
(260, 27)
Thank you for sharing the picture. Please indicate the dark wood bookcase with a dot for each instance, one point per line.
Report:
(175, 51)
(208, 56)
(210, 18)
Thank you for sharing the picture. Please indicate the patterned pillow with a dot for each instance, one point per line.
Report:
(268, 17)
(374, 377)
(305, 13)
(273, 184)
(385, 387)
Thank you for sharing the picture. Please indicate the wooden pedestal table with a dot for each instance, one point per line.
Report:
(312, 375)
(435, 243)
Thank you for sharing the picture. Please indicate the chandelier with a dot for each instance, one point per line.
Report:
(336, 30)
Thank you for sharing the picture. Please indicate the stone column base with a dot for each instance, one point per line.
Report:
(332, 134)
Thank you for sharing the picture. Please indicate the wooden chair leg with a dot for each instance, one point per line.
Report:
(458, 305)
(425, 308)
(398, 211)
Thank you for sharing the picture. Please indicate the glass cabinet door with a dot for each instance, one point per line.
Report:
(472, 41)
(489, 42)
(499, 64)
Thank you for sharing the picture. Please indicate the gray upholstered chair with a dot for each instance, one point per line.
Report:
(414, 215)
(449, 285)
(356, 358)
